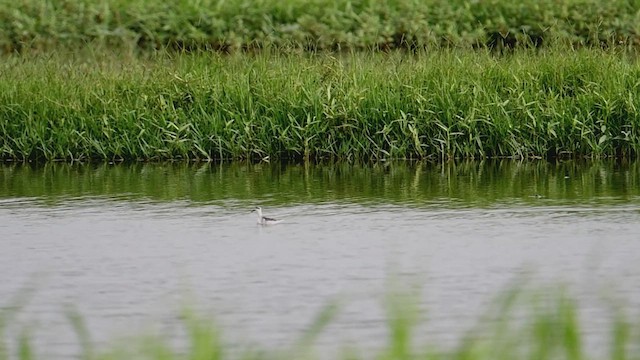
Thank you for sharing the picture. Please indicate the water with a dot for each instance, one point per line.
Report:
(129, 246)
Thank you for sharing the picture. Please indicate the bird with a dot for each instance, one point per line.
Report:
(263, 220)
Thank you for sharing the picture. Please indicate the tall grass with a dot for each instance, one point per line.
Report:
(540, 324)
(442, 105)
(315, 24)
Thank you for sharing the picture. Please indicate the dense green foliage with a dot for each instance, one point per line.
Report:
(447, 104)
(315, 24)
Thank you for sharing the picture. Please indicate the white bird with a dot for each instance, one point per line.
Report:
(263, 220)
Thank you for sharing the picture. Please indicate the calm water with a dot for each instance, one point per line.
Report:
(129, 246)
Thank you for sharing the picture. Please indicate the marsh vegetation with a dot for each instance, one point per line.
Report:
(450, 104)
(312, 25)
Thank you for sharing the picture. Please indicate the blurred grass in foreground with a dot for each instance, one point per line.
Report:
(520, 324)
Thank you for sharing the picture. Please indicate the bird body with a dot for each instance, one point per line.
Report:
(263, 220)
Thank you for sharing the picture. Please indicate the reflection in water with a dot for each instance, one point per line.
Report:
(450, 185)
(127, 243)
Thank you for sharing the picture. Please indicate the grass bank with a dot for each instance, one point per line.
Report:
(315, 24)
(520, 324)
(440, 105)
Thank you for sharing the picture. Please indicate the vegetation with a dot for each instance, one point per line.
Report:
(543, 324)
(315, 24)
(442, 105)
(435, 79)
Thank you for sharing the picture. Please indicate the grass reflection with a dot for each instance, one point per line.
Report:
(465, 184)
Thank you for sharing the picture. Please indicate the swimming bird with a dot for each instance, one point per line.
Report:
(263, 220)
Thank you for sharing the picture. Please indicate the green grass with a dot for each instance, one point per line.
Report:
(540, 324)
(369, 106)
(228, 25)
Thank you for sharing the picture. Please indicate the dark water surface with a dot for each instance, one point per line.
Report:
(129, 245)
